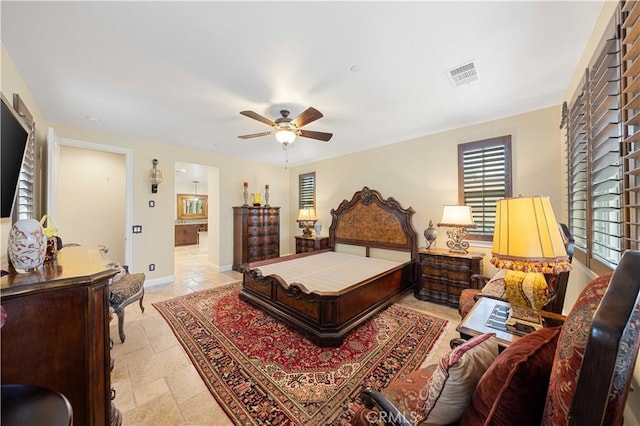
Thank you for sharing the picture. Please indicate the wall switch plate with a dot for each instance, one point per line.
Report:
(152, 266)
(137, 229)
(152, 203)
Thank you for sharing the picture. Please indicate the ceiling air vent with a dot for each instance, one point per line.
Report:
(464, 74)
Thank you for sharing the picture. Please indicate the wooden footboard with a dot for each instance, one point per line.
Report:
(325, 319)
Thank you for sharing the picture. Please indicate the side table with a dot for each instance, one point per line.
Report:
(482, 319)
(304, 244)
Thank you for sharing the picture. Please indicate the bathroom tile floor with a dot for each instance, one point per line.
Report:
(155, 382)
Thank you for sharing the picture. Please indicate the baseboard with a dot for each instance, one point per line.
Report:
(162, 280)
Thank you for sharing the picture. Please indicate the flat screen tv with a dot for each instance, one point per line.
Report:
(13, 142)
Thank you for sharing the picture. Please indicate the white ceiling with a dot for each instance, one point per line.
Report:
(180, 72)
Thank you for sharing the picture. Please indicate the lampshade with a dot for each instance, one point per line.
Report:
(457, 217)
(307, 214)
(527, 237)
(285, 136)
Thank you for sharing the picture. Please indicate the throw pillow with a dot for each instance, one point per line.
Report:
(516, 382)
(449, 390)
(496, 286)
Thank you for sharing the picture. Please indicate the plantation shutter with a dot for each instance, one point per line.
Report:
(307, 190)
(25, 198)
(484, 174)
(631, 120)
(579, 214)
(605, 158)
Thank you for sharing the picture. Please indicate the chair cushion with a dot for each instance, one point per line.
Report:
(516, 382)
(126, 287)
(453, 381)
(570, 351)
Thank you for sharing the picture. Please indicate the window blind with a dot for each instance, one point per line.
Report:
(631, 123)
(484, 174)
(307, 190)
(602, 144)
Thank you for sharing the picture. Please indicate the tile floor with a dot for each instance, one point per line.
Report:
(155, 382)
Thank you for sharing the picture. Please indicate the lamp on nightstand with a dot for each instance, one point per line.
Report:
(460, 219)
(306, 220)
(528, 243)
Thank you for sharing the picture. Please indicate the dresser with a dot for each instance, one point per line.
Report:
(304, 244)
(442, 275)
(56, 333)
(256, 234)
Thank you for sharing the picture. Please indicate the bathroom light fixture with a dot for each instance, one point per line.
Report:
(155, 176)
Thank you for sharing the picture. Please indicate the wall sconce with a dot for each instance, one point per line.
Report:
(459, 218)
(306, 220)
(155, 176)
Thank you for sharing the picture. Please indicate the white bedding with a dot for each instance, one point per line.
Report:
(328, 272)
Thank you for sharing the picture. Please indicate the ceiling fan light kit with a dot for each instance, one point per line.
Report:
(286, 129)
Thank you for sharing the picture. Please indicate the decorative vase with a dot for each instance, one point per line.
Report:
(27, 244)
(257, 199)
(245, 194)
(430, 234)
(318, 228)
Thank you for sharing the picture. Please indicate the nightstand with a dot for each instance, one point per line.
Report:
(442, 274)
(311, 244)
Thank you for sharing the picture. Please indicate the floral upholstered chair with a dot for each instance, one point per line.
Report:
(575, 374)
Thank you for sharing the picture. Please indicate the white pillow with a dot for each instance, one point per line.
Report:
(449, 390)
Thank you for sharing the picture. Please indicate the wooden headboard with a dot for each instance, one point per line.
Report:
(371, 221)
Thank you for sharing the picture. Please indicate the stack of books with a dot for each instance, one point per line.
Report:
(522, 321)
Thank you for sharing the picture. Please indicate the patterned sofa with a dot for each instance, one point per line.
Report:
(575, 374)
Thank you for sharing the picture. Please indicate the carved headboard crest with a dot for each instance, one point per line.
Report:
(369, 220)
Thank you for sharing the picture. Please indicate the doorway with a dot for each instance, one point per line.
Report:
(89, 194)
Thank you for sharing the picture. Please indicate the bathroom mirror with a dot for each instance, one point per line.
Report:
(192, 207)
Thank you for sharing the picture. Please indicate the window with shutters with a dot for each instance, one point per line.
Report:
(602, 148)
(307, 190)
(484, 177)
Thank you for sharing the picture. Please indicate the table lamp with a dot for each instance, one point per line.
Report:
(459, 218)
(527, 243)
(306, 220)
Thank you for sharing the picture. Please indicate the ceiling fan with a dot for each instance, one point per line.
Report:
(286, 129)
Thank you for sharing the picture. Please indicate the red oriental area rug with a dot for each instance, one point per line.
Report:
(263, 372)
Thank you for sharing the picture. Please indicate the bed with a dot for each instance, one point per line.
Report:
(310, 292)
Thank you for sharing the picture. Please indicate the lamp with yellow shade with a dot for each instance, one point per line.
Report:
(306, 220)
(527, 243)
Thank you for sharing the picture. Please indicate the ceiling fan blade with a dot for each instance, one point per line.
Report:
(254, 135)
(307, 116)
(258, 117)
(315, 135)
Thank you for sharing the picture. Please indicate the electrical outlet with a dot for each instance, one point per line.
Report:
(152, 203)
(152, 266)
(137, 229)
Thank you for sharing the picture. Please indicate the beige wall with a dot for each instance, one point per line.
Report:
(156, 243)
(422, 173)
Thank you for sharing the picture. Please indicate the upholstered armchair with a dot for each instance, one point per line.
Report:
(484, 286)
(575, 374)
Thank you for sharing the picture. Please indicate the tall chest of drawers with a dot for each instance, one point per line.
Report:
(442, 275)
(256, 234)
